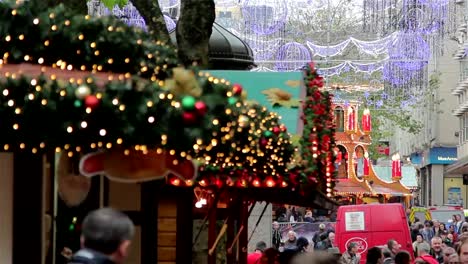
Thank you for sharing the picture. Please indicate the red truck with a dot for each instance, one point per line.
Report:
(371, 225)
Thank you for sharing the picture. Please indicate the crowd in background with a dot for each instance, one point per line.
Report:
(293, 214)
(434, 242)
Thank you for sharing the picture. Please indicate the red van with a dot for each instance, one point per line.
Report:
(372, 225)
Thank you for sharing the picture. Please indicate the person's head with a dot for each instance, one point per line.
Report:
(353, 247)
(302, 244)
(322, 227)
(463, 251)
(393, 246)
(435, 223)
(453, 259)
(447, 252)
(423, 249)
(442, 226)
(374, 255)
(109, 232)
(260, 246)
(458, 217)
(275, 225)
(450, 237)
(443, 234)
(331, 237)
(292, 235)
(436, 244)
(403, 257)
(419, 238)
(464, 228)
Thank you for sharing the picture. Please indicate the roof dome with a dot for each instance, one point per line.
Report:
(226, 50)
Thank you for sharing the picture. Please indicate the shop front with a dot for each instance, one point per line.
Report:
(433, 173)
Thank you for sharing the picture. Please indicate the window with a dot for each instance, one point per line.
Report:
(339, 119)
(465, 126)
(461, 136)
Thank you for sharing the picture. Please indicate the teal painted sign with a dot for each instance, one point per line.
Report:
(262, 85)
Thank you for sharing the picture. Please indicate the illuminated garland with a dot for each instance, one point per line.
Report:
(65, 100)
(39, 113)
(62, 39)
(258, 157)
(145, 102)
(318, 137)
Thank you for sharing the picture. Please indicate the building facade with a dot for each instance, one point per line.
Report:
(434, 147)
(459, 170)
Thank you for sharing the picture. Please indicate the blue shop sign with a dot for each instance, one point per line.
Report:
(442, 155)
(416, 158)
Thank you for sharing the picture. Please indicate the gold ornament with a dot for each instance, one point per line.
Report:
(183, 82)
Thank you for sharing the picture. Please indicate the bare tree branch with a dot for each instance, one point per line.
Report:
(154, 19)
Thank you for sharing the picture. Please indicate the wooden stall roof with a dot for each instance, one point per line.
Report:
(34, 70)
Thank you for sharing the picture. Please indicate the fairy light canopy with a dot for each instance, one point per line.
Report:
(227, 50)
(386, 41)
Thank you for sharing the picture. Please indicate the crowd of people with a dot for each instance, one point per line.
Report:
(106, 236)
(446, 243)
(433, 243)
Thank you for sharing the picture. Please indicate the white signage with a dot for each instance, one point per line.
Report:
(354, 221)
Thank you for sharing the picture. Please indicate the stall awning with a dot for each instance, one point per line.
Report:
(380, 189)
(348, 186)
(459, 167)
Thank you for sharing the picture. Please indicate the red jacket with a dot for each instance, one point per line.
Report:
(428, 258)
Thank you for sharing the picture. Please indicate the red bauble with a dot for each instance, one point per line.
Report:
(91, 101)
(283, 128)
(237, 89)
(201, 108)
(263, 142)
(189, 118)
(276, 130)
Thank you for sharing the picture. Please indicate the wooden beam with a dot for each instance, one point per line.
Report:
(27, 208)
(150, 192)
(34, 70)
(212, 233)
(243, 220)
(184, 225)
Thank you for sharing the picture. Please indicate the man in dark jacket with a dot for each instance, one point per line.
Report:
(105, 239)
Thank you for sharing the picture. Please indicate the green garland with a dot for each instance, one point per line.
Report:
(40, 112)
(318, 138)
(58, 37)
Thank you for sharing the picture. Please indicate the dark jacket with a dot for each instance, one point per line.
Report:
(87, 256)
